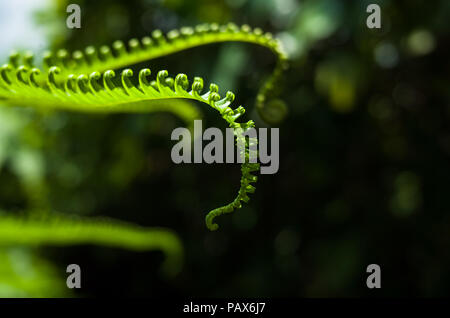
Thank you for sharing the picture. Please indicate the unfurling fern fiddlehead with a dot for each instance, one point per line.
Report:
(87, 82)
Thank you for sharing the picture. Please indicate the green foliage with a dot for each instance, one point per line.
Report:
(86, 82)
(60, 230)
(24, 274)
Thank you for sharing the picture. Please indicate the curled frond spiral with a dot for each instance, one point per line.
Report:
(120, 55)
(89, 93)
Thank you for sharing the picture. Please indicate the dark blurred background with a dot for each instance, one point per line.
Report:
(364, 155)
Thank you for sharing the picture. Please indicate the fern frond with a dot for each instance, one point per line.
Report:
(99, 92)
(86, 81)
(22, 86)
(157, 45)
(120, 55)
(59, 230)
